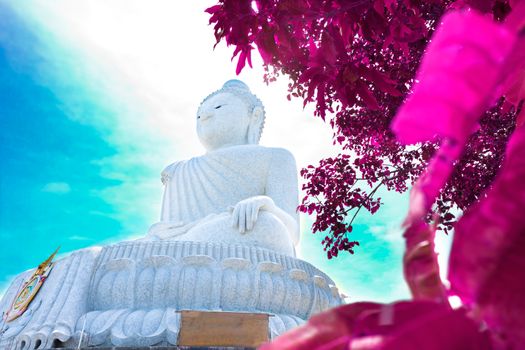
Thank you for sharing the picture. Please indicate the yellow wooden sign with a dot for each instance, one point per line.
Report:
(223, 329)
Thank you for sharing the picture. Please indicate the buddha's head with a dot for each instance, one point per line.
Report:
(230, 116)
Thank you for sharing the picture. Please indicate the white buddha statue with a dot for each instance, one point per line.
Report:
(225, 242)
(238, 191)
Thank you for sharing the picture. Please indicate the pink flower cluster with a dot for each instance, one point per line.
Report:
(356, 62)
(463, 71)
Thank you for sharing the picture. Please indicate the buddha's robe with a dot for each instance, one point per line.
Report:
(200, 192)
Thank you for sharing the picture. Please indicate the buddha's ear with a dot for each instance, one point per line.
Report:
(256, 124)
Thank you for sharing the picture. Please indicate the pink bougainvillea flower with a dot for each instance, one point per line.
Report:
(420, 264)
(487, 261)
(328, 330)
(514, 87)
(354, 62)
(405, 325)
(516, 18)
(428, 185)
(417, 325)
(457, 78)
(459, 74)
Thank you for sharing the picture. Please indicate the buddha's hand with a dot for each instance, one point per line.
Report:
(246, 212)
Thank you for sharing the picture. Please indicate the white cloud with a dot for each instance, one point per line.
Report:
(145, 54)
(143, 60)
(391, 234)
(57, 187)
(153, 62)
(4, 286)
(79, 238)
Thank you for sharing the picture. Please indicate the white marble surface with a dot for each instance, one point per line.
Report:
(57, 306)
(238, 192)
(129, 294)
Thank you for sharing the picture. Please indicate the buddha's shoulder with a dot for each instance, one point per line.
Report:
(262, 153)
(246, 153)
(170, 169)
(281, 155)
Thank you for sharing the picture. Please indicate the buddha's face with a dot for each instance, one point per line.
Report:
(222, 121)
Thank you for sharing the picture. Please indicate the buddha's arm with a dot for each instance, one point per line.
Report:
(245, 214)
(279, 198)
(282, 188)
(166, 177)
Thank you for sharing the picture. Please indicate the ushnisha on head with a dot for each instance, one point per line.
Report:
(230, 116)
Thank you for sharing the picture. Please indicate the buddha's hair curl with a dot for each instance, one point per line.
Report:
(242, 91)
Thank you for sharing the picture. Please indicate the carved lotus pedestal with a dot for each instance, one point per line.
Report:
(132, 294)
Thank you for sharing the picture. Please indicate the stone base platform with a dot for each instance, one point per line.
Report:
(165, 348)
(134, 294)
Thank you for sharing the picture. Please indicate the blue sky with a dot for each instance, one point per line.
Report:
(92, 108)
(48, 175)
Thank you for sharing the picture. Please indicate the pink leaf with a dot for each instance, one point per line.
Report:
(429, 184)
(417, 325)
(420, 264)
(487, 260)
(236, 52)
(457, 79)
(520, 119)
(241, 62)
(400, 326)
(516, 18)
(211, 10)
(367, 96)
(249, 57)
(333, 326)
(379, 79)
(514, 86)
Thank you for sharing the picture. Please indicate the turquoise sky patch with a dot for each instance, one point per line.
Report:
(78, 169)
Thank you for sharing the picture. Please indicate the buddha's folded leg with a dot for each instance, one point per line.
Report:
(268, 232)
(167, 230)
